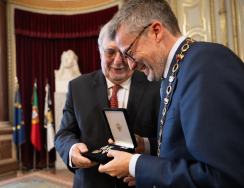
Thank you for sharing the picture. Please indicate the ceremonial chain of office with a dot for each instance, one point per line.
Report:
(179, 57)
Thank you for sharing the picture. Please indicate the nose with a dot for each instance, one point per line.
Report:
(117, 58)
(132, 64)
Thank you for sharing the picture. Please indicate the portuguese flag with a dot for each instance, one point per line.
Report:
(35, 127)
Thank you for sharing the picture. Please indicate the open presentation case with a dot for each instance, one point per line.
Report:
(118, 124)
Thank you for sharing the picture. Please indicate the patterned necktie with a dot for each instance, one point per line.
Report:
(114, 98)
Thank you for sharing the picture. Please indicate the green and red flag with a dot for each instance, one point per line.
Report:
(35, 125)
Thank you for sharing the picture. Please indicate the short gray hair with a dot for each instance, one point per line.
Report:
(136, 14)
(103, 35)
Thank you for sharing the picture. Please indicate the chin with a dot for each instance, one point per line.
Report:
(153, 77)
(150, 78)
(118, 78)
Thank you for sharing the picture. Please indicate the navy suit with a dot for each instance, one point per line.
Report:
(203, 134)
(83, 121)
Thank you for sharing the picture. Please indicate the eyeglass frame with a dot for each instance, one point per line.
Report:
(116, 51)
(126, 55)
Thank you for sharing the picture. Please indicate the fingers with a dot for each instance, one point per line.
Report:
(83, 162)
(109, 168)
(130, 180)
(119, 166)
(111, 153)
(101, 168)
(132, 183)
(82, 147)
(110, 141)
(77, 158)
(140, 144)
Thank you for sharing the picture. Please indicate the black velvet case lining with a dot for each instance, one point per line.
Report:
(103, 158)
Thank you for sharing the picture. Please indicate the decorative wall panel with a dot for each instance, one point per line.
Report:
(7, 149)
(195, 19)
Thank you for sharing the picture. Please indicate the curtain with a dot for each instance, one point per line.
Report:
(40, 41)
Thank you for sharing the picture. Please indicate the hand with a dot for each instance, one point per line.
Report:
(140, 144)
(119, 166)
(130, 180)
(110, 141)
(77, 158)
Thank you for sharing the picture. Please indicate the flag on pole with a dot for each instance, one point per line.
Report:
(18, 124)
(35, 127)
(48, 120)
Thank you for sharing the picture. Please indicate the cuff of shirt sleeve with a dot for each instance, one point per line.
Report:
(70, 161)
(147, 150)
(132, 165)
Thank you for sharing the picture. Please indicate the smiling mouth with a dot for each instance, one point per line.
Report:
(120, 68)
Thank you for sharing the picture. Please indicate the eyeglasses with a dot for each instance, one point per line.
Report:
(111, 53)
(126, 54)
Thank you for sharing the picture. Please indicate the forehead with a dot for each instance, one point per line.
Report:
(123, 39)
(109, 44)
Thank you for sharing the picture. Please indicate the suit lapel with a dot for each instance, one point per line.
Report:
(136, 92)
(178, 51)
(100, 90)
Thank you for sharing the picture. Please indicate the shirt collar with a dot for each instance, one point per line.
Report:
(125, 84)
(171, 55)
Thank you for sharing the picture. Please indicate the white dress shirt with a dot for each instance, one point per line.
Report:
(132, 166)
(122, 95)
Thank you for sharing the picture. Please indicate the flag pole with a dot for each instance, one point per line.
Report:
(47, 160)
(20, 172)
(34, 160)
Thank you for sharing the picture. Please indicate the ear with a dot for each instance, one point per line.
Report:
(156, 31)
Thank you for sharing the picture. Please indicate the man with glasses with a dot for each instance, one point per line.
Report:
(201, 119)
(83, 128)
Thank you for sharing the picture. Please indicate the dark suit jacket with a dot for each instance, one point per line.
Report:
(83, 122)
(203, 134)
